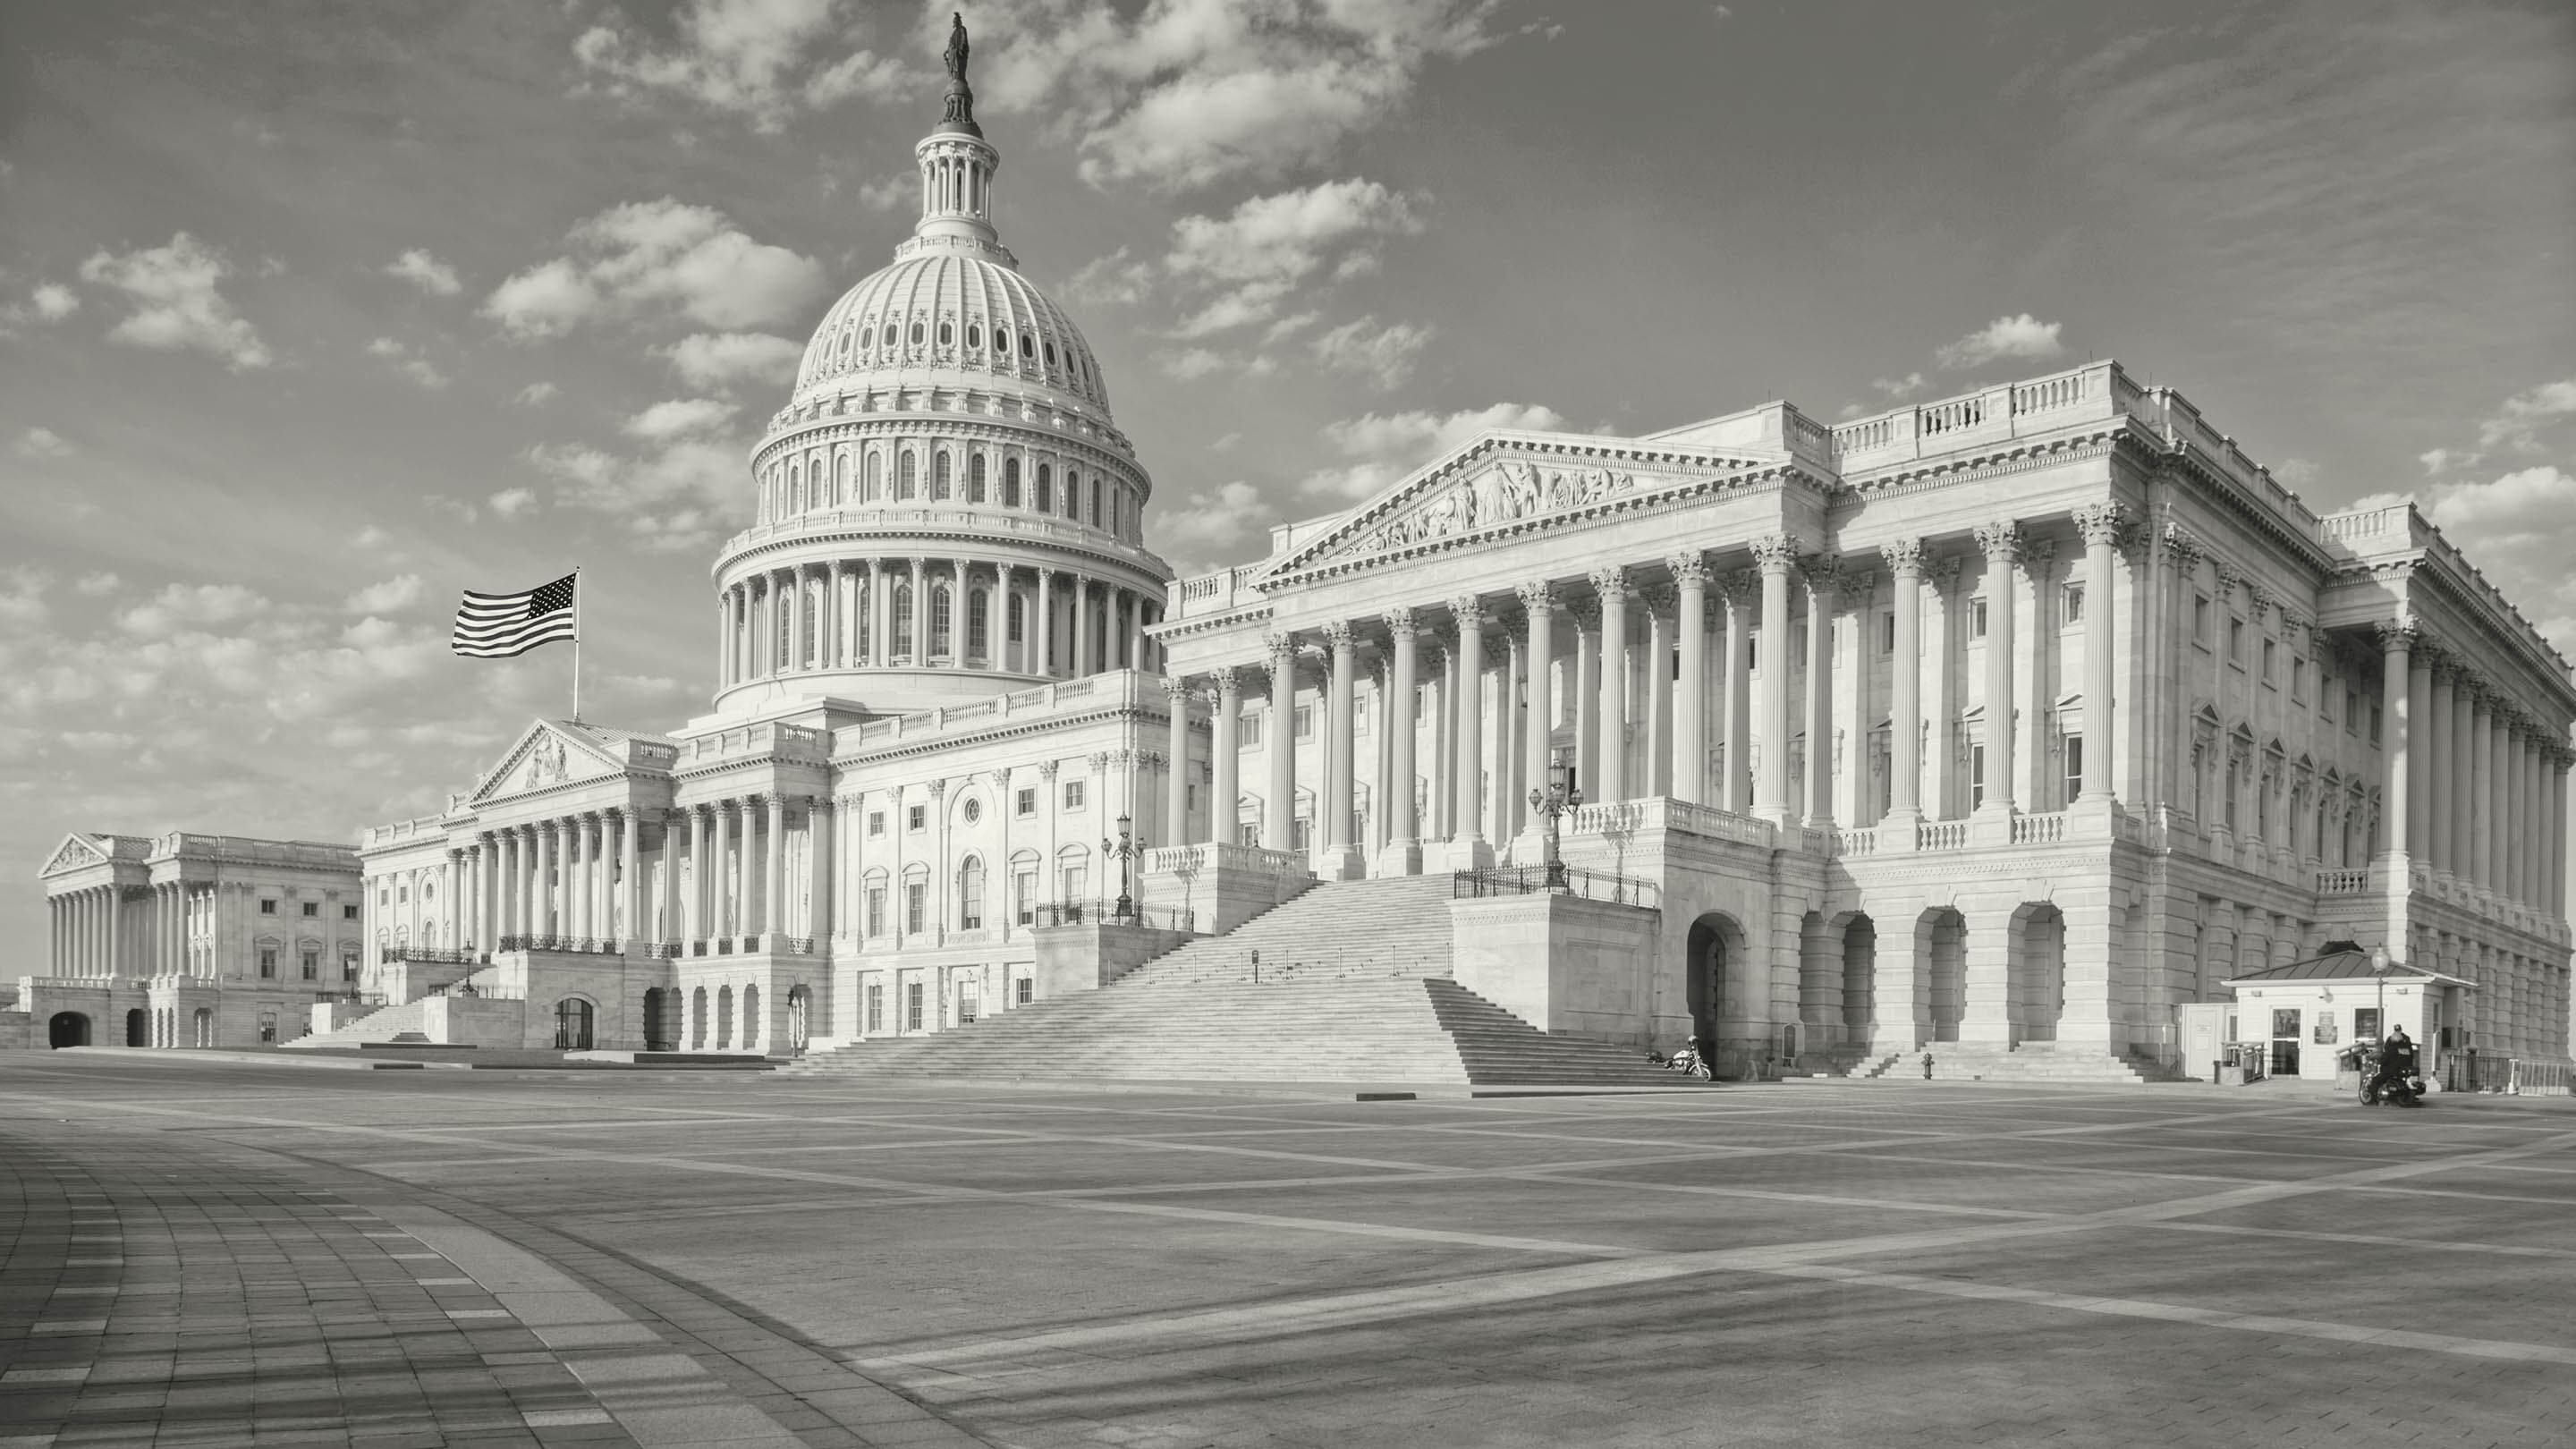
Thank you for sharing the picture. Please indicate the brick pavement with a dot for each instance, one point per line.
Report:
(1915, 1265)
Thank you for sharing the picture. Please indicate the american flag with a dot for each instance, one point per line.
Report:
(496, 626)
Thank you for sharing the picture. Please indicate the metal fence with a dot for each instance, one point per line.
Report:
(1592, 885)
(1098, 912)
(429, 956)
(572, 945)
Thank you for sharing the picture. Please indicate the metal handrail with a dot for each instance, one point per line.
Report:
(1592, 885)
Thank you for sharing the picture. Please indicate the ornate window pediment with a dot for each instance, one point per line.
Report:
(73, 853)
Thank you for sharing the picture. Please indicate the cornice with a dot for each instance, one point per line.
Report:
(945, 537)
(899, 426)
(909, 749)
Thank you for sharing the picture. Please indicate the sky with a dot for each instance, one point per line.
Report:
(312, 314)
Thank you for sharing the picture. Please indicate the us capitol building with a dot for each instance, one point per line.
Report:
(2008, 727)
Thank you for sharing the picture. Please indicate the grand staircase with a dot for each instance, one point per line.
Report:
(2032, 1062)
(1352, 985)
(380, 1025)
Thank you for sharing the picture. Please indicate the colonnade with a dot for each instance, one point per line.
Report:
(2477, 788)
(99, 932)
(886, 613)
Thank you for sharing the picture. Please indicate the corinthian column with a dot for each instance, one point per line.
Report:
(1176, 775)
(2481, 788)
(1611, 585)
(2002, 543)
(1341, 842)
(1279, 744)
(1775, 556)
(1823, 582)
(1690, 696)
(2395, 640)
(1905, 705)
(2443, 734)
(2101, 526)
(1225, 747)
(1403, 853)
(1538, 606)
(1735, 790)
(1468, 849)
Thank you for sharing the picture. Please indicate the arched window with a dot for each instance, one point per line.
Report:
(942, 609)
(795, 484)
(970, 894)
(1095, 502)
(876, 477)
(1046, 489)
(916, 334)
(975, 479)
(1028, 345)
(947, 334)
(840, 479)
(1010, 482)
(903, 617)
(1050, 354)
(904, 480)
(1018, 625)
(939, 471)
(1072, 494)
(979, 630)
(974, 337)
(888, 339)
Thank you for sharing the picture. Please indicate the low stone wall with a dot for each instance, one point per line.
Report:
(482, 1021)
(1561, 963)
(1093, 954)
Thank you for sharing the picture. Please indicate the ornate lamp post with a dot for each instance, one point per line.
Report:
(1556, 800)
(1124, 850)
(2379, 966)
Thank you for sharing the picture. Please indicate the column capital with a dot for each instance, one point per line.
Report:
(1904, 557)
(1225, 677)
(1740, 586)
(1823, 573)
(1586, 614)
(1610, 583)
(1509, 619)
(1689, 570)
(2001, 541)
(1278, 648)
(1399, 622)
(2396, 636)
(1176, 688)
(1338, 635)
(1943, 574)
(1468, 610)
(1659, 600)
(1775, 553)
(1537, 596)
(2102, 525)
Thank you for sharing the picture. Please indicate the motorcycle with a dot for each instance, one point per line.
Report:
(1685, 1061)
(2404, 1090)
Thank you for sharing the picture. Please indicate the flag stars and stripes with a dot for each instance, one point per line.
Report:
(497, 626)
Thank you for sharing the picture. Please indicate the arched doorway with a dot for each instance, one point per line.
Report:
(204, 1022)
(661, 1033)
(1860, 979)
(698, 1019)
(724, 1018)
(1941, 944)
(800, 1026)
(138, 1028)
(67, 1029)
(573, 1019)
(1714, 953)
(2036, 996)
(752, 1024)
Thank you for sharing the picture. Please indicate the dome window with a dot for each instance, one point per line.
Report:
(975, 479)
(889, 335)
(1028, 346)
(947, 334)
(916, 334)
(876, 477)
(1010, 482)
(939, 474)
(974, 337)
(1046, 489)
(1050, 354)
(905, 479)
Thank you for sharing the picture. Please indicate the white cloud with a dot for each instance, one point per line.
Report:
(650, 256)
(1199, 528)
(2438, 461)
(426, 272)
(418, 369)
(22, 599)
(1180, 93)
(99, 583)
(727, 359)
(1116, 278)
(1245, 264)
(372, 537)
(511, 502)
(2525, 507)
(758, 59)
(1226, 443)
(181, 608)
(670, 499)
(678, 417)
(2297, 472)
(1385, 447)
(1384, 355)
(2518, 423)
(890, 194)
(386, 595)
(177, 304)
(2022, 336)
(43, 443)
(53, 301)
(1189, 364)
(537, 394)
(1898, 389)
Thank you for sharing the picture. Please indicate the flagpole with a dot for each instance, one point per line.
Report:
(576, 645)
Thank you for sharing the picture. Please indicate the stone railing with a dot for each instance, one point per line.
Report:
(1187, 860)
(1856, 840)
(1215, 593)
(2039, 829)
(1941, 835)
(2342, 882)
(1662, 812)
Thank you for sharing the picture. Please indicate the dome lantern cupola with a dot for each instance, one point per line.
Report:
(957, 163)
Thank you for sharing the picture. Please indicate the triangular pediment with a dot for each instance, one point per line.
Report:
(77, 850)
(1506, 481)
(544, 756)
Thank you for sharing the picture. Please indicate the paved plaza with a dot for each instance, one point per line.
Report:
(247, 1254)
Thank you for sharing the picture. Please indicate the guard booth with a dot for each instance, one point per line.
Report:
(2306, 1012)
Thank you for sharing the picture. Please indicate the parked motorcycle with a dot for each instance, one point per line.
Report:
(2404, 1090)
(1685, 1061)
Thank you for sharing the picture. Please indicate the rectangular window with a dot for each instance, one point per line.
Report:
(312, 908)
(268, 908)
(2374, 724)
(2270, 653)
(267, 965)
(2074, 766)
(1248, 731)
(2233, 790)
(2200, 620)
(876, 1009)
(2365, 1023)
(1025, 986)
(2074, 607)
(916, 902)
(348, 913)
(1025, 802)
(1073, 794)
(348, 968)
(2236, 641)
(912, 1006)
(1305, 722)
(876, 910)
(1075, 879)
(876, 822)
(1887, 633)
(1359, 712)
(1976, 618)
(1024, 897)
(916, 818)
(2351, 710)
(1976, 776)
(312, 964)
(2298, 680)
(1301, 833)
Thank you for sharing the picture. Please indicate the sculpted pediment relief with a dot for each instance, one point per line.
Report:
(1484, 487)
(545, 757)
(74, 852)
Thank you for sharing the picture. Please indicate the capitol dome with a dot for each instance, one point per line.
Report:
(944, 510)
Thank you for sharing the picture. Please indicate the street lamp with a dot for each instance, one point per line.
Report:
(2379, 964)
(1557, 799)
(1124, 850)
